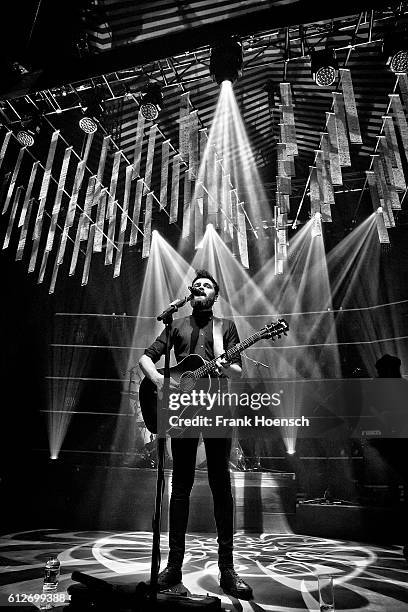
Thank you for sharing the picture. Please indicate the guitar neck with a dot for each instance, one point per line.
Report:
(228, 355)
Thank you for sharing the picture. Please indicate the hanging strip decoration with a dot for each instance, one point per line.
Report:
(175, 187)
(186, 206)
(193, 150)
(55, 269)
(46, 182)
(91, 237)
(335, 167)
(286, 151)
(341, 129)
(382, 186)
(396, 163)
(12, 217)
(112, 209)
(201, 198)
(137, 155)
(164, 175)
(55, 212)
(401, 121)
(224, 203)
(58, 199)
(100, 173)
(385, 159)
(24, 229)
(218, 192)
(83, 224)
(137, 205)
(377, 201)
(4, 146)
(314, 191)
(27, 199)
(100, 221)
(353, 123)
(234, 217)
(87, 207)
(149, 158)
(328, 191)
(242, 236)
(198, 215)
(89, 197)
(280, 241)
(13, 179)
(192, 173)
(212, 177)
(40, 212)
(147, 226)
(123, 221)
(381, 229)
(288, 119)
(70, 215)
(403, 85)
(184, 126)
(324, 181)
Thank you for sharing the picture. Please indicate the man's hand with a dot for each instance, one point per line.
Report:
(232, 370)
(158, 380)
(149, 370)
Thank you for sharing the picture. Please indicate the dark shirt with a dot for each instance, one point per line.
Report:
(194, 334)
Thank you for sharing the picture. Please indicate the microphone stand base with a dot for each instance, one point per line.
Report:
(137, 598)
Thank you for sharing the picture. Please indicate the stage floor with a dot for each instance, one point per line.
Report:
(281, 568)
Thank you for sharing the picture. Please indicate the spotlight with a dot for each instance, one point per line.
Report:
(226, 61)
(324, 67)
(151, 102)
(395, 49)
(25, 138)
(88, 125)
(29, 128)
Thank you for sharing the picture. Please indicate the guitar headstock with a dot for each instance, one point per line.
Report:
(275, 330)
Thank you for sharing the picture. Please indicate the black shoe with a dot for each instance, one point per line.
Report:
(232, 584)
(169, 577)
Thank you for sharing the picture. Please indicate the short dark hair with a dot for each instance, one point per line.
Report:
(206, 274)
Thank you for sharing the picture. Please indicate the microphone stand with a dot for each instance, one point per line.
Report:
(167, 317)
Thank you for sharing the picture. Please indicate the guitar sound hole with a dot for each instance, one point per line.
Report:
(187, 382)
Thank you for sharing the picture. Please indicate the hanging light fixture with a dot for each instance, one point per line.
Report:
(226, 61)
(395, 50)
(26, 138)
(151, 102)
(92, 108)
(324, 67)
(27, 131)
(88, 125)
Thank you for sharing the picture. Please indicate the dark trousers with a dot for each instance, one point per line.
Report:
(184, 453)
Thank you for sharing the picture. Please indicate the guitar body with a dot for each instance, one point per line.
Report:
(148, 396)
(194, 367)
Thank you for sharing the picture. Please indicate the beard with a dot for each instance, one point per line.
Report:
(203, 304)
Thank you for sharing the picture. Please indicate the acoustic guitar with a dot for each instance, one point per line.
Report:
(194, 367)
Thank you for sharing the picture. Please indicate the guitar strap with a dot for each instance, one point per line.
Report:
(218, 341)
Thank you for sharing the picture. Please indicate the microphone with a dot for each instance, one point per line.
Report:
(174, 306)
(196, 291)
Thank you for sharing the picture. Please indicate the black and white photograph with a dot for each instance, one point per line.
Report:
(204, 272)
